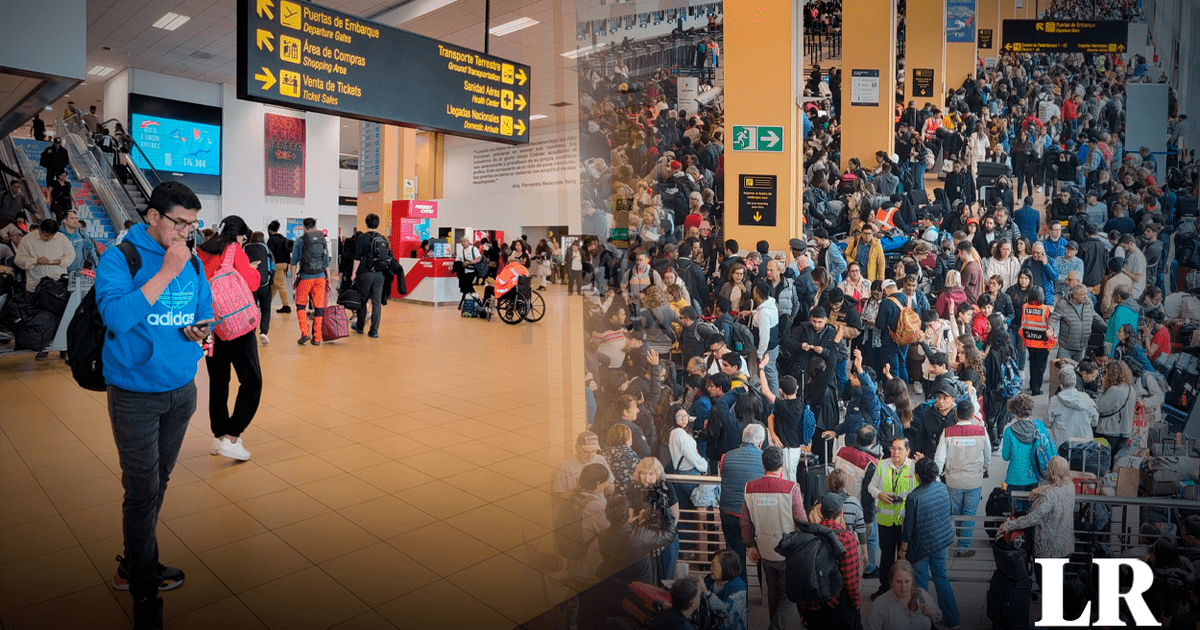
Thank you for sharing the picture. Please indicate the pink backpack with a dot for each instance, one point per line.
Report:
(233, 303)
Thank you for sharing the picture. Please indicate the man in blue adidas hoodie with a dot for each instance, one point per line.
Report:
(150, 357)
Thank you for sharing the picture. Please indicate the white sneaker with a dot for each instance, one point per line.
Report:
(234, 449)
(216, 446)
(263, 338)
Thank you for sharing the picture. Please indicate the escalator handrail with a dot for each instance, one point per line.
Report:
(28, 183)
(133, 143)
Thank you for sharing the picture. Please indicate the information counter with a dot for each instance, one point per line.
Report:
(431, 281)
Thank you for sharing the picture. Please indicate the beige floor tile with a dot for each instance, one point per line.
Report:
(379, 573)
(277, 605)
(190, 499)
(369, 620)
(11, 462)
(532, 504)
(35, 538)
(497, 527)
(438, 464)
(282, 508)
(29, 582)
(17, 421)
(98, 603)
(253, 561)
(479, 451)
(516, 444)
(354, 456)
(425, 608)
(86, 494)
(201, 588)
(439, 499)
(326, 537)
(521, 596)
(328, 420)
(318, 441)
(50, 454)
(103, 552)
(387, 516)
(23, 508)
(231, 612)
(247, 484)
(341, 491)
(208, 466)
(303, 469)
(365, 411)
(52, 433)
(486, 484)
(95, 523)
(396, 447)
(529, 472)
(17, 483)
(212, 528)
(268, 450)
(362, 431)
(392, 476)
(287, 427)
(442, 550)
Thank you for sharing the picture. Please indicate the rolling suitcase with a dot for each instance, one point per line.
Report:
(810, 474)
(1010, 588)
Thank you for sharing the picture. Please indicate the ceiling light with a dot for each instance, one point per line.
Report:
(102, 71)
(513, 26)
(170, 21)
(537, 117)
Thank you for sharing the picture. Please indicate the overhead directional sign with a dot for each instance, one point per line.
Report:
(757, 138)
(1111, 36)
(757, 200)
(305, 56)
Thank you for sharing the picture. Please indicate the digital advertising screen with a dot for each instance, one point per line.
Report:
(181, 141)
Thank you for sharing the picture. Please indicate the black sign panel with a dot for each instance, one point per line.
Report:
(757, 197)
(305, 56)
(985, 38)
(1053, 36)
(922, 82)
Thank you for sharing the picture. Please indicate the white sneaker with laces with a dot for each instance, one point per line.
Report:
(216, 446)
(233, 449)
(263, 338)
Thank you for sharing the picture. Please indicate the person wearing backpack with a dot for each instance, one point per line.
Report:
(998, 367)
(1019, 448)
(239, 353)
(372, 257)
(772, 508)
(281, 250)
(895, 322)
(842, 610)
(310, 259)
(150, 304)
(261, 258)
(578, 523)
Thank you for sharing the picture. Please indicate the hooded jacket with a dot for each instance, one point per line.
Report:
(1072, 414)
(1125, 313)
(145, 350)
(1115, 407)
(1017, 450)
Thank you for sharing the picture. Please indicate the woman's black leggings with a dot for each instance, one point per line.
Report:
(240, 354)
(264, 297)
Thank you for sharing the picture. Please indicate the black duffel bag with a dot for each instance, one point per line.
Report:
(51, 296)
(37, 331)
(350, 298)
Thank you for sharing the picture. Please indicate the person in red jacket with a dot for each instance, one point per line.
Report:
(240, 353)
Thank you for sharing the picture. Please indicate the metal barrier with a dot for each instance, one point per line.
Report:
(821, 46)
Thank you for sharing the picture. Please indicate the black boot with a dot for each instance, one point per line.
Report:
(147, 614)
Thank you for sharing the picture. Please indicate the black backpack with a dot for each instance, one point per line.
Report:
(378, 254)
(51, 296)
(87, 332)
(312, 254)
(741, 339)
(812, 572)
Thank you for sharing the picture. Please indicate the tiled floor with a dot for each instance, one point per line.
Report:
(395, 483)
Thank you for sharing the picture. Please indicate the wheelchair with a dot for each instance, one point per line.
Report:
(520, 303)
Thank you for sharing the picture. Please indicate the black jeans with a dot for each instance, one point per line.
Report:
(370, 285)
(242, 355)
(889, 544)
(148, 429)
(1037, 368)
(731, 527)
(264, 298)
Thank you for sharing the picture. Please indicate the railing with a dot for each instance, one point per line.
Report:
(29, 184)
(144, 182)
(821, 46)
(676, 55)
(115, 199)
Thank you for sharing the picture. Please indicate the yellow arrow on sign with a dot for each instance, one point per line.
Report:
(520, 76)
(268, 79)
(520, 103)
(757, 217)
(264, 6)
(519, 127)
(264, 39)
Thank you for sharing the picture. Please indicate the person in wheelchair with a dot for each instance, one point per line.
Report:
(513, 275)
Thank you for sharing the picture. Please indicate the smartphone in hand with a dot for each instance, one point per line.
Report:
(204, 323)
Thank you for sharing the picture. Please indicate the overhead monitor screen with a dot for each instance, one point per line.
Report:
(181, 141)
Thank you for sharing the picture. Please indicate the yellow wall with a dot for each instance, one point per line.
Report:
(988, 13)
(923, 49)
(397, 160)
(760, 89)
(869, 43)
(960, 63)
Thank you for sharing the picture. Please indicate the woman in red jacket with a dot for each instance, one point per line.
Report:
(240, 353)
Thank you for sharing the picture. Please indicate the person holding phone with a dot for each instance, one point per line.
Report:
(240, 353)
(155, 325)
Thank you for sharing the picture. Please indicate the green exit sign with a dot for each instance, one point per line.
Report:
(758, 138)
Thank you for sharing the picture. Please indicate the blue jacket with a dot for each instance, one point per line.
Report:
(85, 250)
(1028, 219)
(1044, 273)
(864, 407)
(739, 467)
(927, 525)
(146, 351)
(1019, 453)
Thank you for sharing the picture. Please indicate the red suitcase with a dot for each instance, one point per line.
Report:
(334, 325)
(643, 601)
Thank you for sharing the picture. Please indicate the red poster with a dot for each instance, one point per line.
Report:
(285, 156)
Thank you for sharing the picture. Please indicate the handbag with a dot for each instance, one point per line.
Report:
(334, 323)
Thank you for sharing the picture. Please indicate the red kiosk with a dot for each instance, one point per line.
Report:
(430, 280)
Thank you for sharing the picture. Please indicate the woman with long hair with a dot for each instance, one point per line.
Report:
(258, 252)
(995, 409)
(239, 353)
(1116, 405)
(1052, 513)
(953, 295)
(1002, 263)
(905, 605)
(1019, 294)
(1129, 347)
(872, 337)
(1022, 249)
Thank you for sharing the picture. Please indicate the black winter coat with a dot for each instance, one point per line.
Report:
(812, 572)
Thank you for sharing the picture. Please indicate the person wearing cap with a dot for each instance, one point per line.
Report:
(867, 251)
(772, 508)
(841, 611)
(964, 456)
(566, 478)
(1064, 265)
(886, 321)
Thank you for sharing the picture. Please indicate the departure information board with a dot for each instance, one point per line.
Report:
(305, 56)
(1051, 36)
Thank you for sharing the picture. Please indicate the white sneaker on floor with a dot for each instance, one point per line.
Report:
(263, 338)
(216, 446)
(233, 449)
